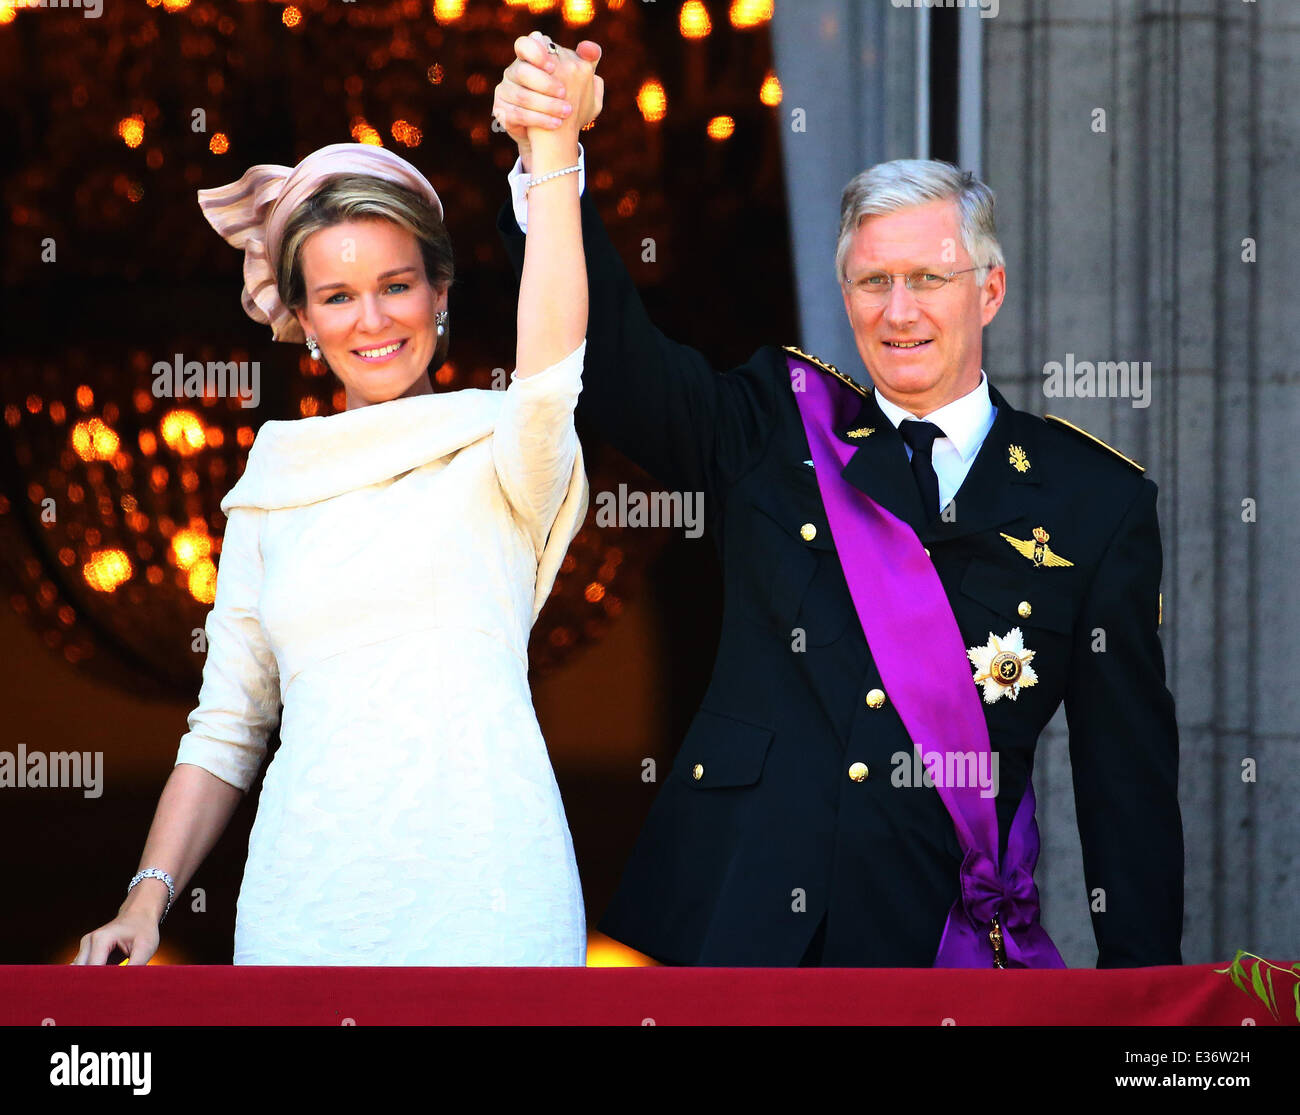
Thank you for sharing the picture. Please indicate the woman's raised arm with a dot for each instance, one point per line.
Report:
(553, 287)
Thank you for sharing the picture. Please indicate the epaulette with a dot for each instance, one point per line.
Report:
(1095, 440)
(825, 367)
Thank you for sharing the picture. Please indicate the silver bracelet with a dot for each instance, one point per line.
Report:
(156, 873)
(554, 174)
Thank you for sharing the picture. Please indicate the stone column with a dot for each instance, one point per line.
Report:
(847, 70)
(1134, 147)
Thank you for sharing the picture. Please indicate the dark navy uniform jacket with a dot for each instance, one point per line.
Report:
(759, 831)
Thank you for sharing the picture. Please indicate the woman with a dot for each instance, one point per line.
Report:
(381, 569)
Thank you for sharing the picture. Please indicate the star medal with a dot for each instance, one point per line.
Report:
(1002, 666)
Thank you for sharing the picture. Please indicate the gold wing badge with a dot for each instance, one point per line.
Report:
(1037, 551)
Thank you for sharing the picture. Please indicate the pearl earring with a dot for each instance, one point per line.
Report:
(313, 348)
(441, 319)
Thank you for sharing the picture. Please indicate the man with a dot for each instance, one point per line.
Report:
(793, 827)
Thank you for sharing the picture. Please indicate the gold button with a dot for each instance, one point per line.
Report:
(697, 771)
(875, 698)
(1024, 609)
(858, 772)
(808, 531)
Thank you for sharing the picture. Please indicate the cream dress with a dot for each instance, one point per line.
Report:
(379, 576)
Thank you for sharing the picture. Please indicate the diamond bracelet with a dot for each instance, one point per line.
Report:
(554, 174)
(156, 873)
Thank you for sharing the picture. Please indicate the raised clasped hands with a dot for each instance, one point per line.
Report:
(544, 99)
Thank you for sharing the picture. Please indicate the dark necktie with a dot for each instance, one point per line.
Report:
(920, 436)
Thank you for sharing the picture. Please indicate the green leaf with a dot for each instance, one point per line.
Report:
(1265, 992)
(1257, 982)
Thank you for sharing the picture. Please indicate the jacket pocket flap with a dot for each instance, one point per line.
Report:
(1004, 592)
(721, 751)
(797, 508)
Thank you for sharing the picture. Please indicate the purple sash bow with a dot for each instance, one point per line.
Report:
(917, 647)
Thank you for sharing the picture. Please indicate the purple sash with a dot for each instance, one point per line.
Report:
(908, 621)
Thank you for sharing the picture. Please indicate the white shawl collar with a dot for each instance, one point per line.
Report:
(305, 460)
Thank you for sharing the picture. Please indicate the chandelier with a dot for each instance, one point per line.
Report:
(110, 526)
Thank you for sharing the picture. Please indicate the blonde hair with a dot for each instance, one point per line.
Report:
(351, 197)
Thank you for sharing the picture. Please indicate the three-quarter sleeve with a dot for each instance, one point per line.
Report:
(239, 701)
(534, 444)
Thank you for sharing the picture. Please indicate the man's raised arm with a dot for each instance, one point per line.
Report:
(659, 402)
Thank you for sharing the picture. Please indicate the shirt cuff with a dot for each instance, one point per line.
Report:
(519, 185)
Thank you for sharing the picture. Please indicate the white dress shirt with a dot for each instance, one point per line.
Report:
(965, 423)
(519, 186)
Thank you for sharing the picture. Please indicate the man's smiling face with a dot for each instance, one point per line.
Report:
(922, 349)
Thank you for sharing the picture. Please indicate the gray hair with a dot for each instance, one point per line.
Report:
(889, 187)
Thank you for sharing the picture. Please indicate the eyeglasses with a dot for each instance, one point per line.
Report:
(877, 286)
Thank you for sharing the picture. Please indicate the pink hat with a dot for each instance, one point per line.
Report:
(252, 214)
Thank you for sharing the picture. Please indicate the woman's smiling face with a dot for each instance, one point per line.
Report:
(371, 308)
